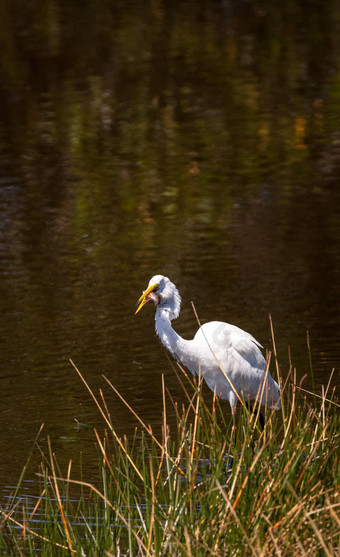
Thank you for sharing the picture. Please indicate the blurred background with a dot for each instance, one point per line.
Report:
(197, 139)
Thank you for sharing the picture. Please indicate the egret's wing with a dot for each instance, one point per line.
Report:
(247, 347)
(237, 353)
(230, 344)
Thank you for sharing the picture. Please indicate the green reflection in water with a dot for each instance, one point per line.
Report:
(196, 139)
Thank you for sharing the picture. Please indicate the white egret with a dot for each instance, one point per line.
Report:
(229, 359)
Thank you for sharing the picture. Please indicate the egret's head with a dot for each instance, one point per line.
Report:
(163, 293)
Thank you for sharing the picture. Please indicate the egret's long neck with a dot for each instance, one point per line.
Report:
(170, 339)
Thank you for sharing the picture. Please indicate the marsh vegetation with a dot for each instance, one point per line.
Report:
(208, 487)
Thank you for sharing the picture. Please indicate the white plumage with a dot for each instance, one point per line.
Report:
(229, 359)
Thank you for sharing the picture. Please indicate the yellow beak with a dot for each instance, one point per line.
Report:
(144, 297)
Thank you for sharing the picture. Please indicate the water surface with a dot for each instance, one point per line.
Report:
(200, 140)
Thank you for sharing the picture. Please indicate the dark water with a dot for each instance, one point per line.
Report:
(200, 140)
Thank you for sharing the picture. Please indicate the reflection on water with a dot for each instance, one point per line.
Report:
(197, 140)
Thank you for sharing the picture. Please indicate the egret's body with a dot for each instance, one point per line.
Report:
(229, 359)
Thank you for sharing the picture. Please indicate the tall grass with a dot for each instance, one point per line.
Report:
(209, 487)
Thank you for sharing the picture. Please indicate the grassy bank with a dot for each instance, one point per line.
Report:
(210, 487)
